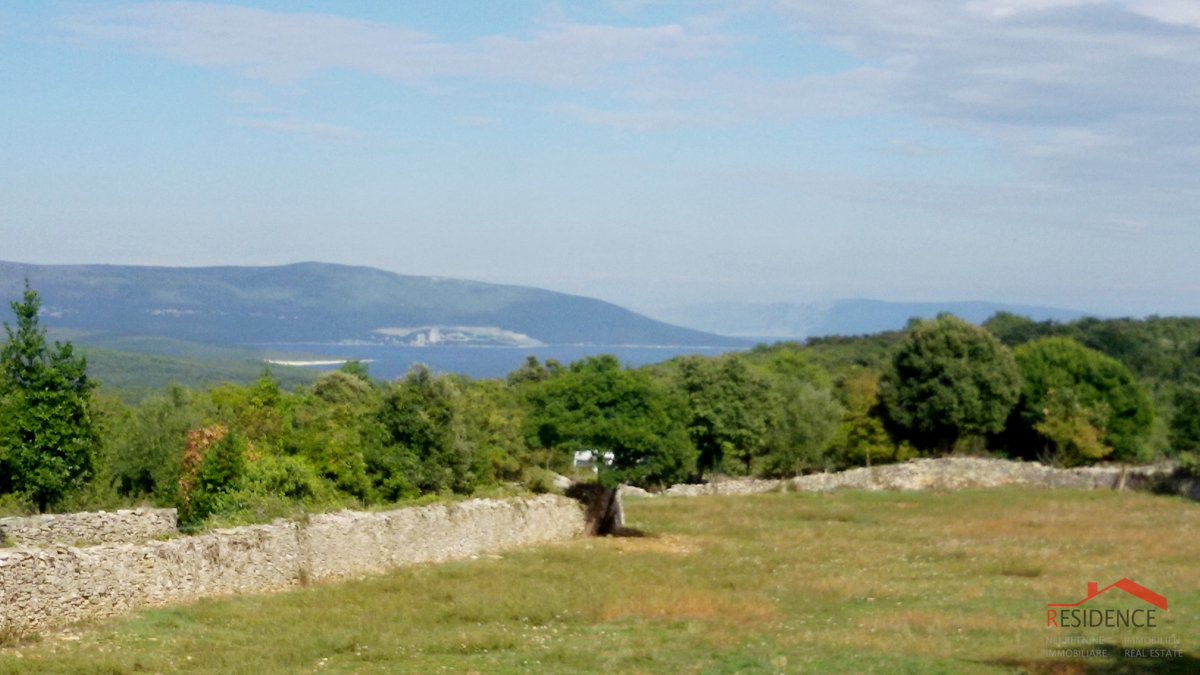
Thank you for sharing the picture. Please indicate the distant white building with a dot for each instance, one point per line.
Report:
(586, 459)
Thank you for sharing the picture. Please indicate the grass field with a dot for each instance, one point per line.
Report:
(778, 583)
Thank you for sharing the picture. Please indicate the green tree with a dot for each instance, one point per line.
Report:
(1013, 329)
(356, 368)
(424, 447)
(260, 410)
(220, 472)
(1185, 425)
(146, 461)
(1072, 393)
(598, 405)
(802, 423)
(1075, 431)
(860, 438)
(330, 428)
(948, 380)
(342, 387)
(492, 420)
(729, 408)
(45, 419)
(531, 371)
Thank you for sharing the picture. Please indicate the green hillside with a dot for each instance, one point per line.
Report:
(133, 375)
(317, 302)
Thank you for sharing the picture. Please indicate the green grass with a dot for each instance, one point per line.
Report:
(779, 583)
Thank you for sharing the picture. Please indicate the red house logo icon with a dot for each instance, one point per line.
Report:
(1128, 585)
(1072, 617)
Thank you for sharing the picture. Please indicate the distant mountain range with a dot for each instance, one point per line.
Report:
(839, 317)
(325, 303)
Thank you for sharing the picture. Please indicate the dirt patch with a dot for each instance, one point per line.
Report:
(689, 604)
(672, 543)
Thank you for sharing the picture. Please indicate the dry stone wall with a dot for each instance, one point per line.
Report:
(953, 473)
(43, 587)
(80, 529)
(351, 543)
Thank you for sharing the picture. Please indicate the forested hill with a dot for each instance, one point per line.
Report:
(839, 317)
(318, 302)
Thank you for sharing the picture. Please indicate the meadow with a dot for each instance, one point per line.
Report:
(851, 582)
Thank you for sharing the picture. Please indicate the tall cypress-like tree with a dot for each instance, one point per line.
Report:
(46, 429)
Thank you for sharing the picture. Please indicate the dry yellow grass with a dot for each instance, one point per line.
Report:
(778, 583)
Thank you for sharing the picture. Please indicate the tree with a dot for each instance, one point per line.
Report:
(149, 451)
(729, 408)
(1082, 404)
(1185, 425)
(531, 371)
(45, 419)
(802, 423)
(948, 380)
(861, 438)
(598, 405)
(1013, 329)
(356, 368)
(425, 447)
(212, 468)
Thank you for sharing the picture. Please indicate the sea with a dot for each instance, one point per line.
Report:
(391, 361)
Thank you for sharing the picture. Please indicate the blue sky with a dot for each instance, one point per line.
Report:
(646, 152)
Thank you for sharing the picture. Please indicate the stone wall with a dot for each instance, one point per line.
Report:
(351, 543)
(953, 473)
(83, 529)
(43, 587)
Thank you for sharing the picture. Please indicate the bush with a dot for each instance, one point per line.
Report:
(288, 477)
(212, 469)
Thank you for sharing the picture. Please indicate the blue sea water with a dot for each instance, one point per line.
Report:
(389, 362)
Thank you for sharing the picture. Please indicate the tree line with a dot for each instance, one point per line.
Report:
(1067, 394)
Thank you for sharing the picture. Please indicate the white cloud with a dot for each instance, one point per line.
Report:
(304, 128)
(1179, 12)
(1089, 95)
(1079, 95)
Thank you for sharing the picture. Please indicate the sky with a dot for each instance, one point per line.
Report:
(646, 152)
